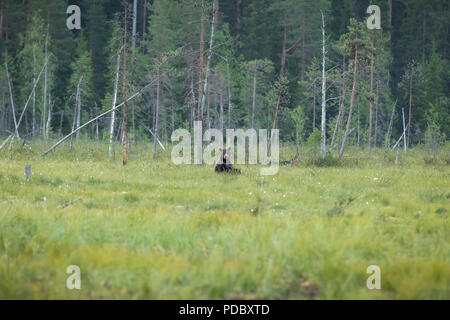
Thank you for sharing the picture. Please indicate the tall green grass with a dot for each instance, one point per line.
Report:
(154, 230)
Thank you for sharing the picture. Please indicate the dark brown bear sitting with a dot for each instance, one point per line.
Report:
(224, 164)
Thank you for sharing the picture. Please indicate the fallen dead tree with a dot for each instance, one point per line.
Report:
(96, 118)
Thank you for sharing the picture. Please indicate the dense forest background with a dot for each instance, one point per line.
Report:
(261, 61)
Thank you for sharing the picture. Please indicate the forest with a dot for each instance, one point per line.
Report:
(230, 64)
(92, 206)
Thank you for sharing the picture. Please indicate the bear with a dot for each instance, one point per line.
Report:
(223, 163)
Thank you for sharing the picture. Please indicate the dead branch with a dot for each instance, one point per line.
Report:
(96, 118)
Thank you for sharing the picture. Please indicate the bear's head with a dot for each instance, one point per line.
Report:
(224, 155)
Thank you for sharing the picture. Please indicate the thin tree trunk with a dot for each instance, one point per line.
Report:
(16, 129)
(410, 108)
(324, 96)
(124, 120)
(376, 117)
(75, 111)
(352, 99)
(341, 105)
(49, 117)
(221, 109)
(113, 113)
(211, 42)
(404, 129)
(133, 40)
(371, 103)
(253, 98)
(208, 111)
(200, 63)
(33, 125)
(133, 50)
(173, 116)
(45, 89)
(388, 134)
(78, 110)
(314, 107)
(192, 101)
(156, 128)
(230, 106)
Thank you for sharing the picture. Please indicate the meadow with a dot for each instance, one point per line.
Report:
(154, 230)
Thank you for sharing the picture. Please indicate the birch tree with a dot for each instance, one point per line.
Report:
(113, 113)
(215, 10)
(324, 93)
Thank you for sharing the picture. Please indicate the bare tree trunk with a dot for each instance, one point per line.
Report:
(157, 111)
(49, 118)
(230, 106)
(75, 112)
(16, 129)
(253, 99)
(173, 116)
(78, 110)
(208, 111)
(133, 50)
(388, 134)
(404, 129)
(192, 101)
(352, 99)
(33, 125)
(124, 120)
(200, 63)
(371, 103)
(341, 105)
(410, 108)
(221, 108)
(45, 89)
(314, 107)
(211, 42)
(113, 113)
(376, 116)
(133, 34)
(324, 96)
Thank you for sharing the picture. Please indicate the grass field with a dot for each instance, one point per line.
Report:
(154, 230)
